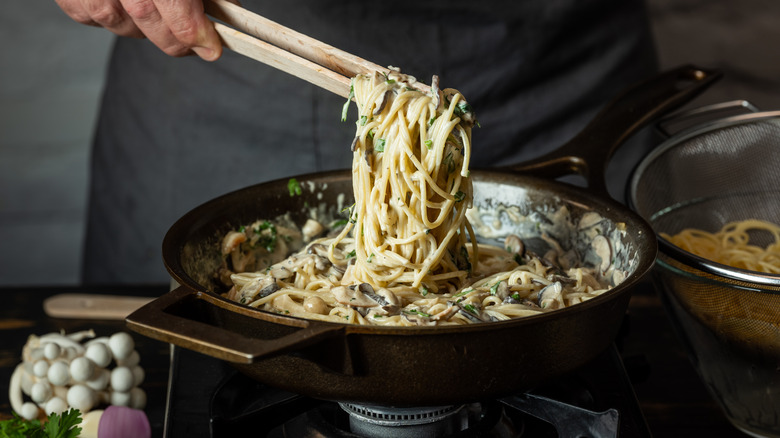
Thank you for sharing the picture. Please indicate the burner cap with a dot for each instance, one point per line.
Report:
(389, 422)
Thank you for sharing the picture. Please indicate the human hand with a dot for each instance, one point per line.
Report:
(177, 27)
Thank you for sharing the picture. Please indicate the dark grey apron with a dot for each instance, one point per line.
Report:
(175, 132)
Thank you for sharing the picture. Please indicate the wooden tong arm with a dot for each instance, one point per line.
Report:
(285, 49)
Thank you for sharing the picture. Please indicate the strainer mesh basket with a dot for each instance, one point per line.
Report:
(704, 178)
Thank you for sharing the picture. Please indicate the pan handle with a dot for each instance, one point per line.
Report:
(199, 322)
(589, 152)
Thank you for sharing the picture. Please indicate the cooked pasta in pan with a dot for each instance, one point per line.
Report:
(406, 255)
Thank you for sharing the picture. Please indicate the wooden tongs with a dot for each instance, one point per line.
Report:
(266, 41)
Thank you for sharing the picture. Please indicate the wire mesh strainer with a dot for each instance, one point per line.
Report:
(705, 177)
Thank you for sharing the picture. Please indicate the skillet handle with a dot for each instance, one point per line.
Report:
(200, 322)
(589, 152)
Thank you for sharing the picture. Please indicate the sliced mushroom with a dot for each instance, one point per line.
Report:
(418, 318)
(383, 297)
(502, 290)
(285, 304)
(435, 91)
(603, 249)
(287, 268)
(231, 241)
(369, 157)
(514, 245)
(311, 229)
(352, 296)
(590, 219)
(550, 297)
(382, 102)
(259, 288)
(280, 271)
(470, 315)
(242, 262)
(564, 279)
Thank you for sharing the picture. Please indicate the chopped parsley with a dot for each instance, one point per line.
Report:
(428, 144)
(379, 145)
(494, 288)
(449, 162)
(460, 196)
(351, 216)
(463, 108)
(345, 108)
(267, 239)
(56, 426)
(339, 223)
(417, 312)
(463, 292)
(351, 254)
(294, 187)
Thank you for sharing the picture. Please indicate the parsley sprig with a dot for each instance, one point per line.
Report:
(56, 426)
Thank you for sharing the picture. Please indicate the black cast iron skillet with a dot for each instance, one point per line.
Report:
(420, 366)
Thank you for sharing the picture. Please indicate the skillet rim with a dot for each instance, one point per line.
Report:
(567, 193)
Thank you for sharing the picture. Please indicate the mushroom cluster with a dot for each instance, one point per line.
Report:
(78, 371)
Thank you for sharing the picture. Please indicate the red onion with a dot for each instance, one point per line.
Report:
(124, 422)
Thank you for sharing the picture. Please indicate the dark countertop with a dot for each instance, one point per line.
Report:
(672, 398)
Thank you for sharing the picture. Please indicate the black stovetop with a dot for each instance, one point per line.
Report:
(208, 398)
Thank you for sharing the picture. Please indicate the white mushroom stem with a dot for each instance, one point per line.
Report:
(102, 339)
(15, 389)
(80, 336)
(63, 342)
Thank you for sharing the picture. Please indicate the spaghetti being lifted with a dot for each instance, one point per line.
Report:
(411, 185)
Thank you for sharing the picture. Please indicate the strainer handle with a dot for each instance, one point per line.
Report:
(589, 152)
(677, 122)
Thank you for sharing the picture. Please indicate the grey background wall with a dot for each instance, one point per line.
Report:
(51, 73)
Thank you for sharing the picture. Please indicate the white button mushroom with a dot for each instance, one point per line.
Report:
(130, 361)
(29, 411)
(82, 369)
(41, 392)
(138, 375)
(40, 368)
(137, 398)
(82, 397)
(55, 405)
(119, 398)
(99, 353)
(51, 351)
(121, 379)
(58, 373)
(100, 379)
(121, 345)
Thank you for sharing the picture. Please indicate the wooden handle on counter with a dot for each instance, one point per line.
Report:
(91, 306)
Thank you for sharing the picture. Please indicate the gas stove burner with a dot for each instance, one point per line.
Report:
(205, 394)
(389, 422)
